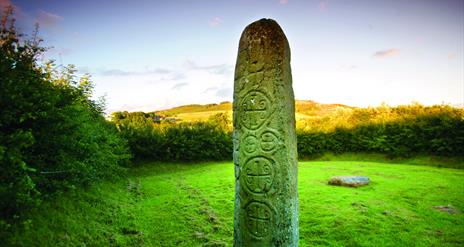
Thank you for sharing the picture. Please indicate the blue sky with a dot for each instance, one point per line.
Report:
(151, 55)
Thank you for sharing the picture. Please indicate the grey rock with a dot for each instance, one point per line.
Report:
(448, 209)
(350, 181)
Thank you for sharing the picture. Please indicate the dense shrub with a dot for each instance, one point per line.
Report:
(179, 142)
(395, 131)
(436, 134)
(52, 135)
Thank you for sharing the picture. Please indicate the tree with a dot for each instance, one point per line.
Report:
(53, 136)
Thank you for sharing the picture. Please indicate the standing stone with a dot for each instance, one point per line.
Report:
(265, 154)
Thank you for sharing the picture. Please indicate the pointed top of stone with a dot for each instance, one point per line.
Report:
(265, 24)
(265, 28)
(262, 45)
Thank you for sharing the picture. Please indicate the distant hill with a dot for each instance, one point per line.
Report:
(223, 106)
(195, 112)
(312, 117)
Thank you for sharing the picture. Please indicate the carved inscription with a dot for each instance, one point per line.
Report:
(258, 217)
(256, 106)
(259, 175)
(269, 141)
(250, 144)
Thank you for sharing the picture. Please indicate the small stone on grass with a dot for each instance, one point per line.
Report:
(350, 181)
(448, 209)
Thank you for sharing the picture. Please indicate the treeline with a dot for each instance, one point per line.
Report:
(53, 136)
(165, 141)
(395, 131)
(437, 134)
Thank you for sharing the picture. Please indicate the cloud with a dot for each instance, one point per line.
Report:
(420, 40)
(4, 4)
(451, 55)
(174, 76)
(323, 4)
(348, 66)
(47, 19)
(219, 69)
(84, 70)
(225, 92)
(179, 86)
(160, 71)
(283, 1)
(386, 53)
(133, 108)
(216, 21)
(210, 89)
(120, 72)
(65, 51)
(116, 72)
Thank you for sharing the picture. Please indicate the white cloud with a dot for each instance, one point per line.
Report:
(225, 92)
(451, 55)
(47, 19)
(179, 86)
(323, 4)
(216, 21)
(210, 89)
(219, 69)
(386, 53)
(121, 72)
(191, 84)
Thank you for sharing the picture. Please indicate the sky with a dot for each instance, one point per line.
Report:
(147, 55)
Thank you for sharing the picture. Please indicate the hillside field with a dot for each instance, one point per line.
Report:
(205, 115)
(305, 109)
(178, 204)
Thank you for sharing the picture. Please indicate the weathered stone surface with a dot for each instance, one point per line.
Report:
(265, 154)
(448, 209)
(350, 181)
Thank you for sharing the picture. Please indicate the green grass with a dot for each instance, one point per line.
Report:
(421, 160)
(163, 204)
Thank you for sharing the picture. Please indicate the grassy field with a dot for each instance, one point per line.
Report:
(205, 115)
(192, 205)
(200, 116)
(305, 109)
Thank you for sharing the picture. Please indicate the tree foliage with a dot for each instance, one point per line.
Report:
(53, 136)
(395, 131)
(150, 139)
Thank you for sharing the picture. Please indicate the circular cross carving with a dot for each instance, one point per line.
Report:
(250, 144)
(255, 109)
(258, 175)
(269, 141)
(258, 219)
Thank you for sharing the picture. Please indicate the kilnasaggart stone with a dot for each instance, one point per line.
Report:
(265, 151)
